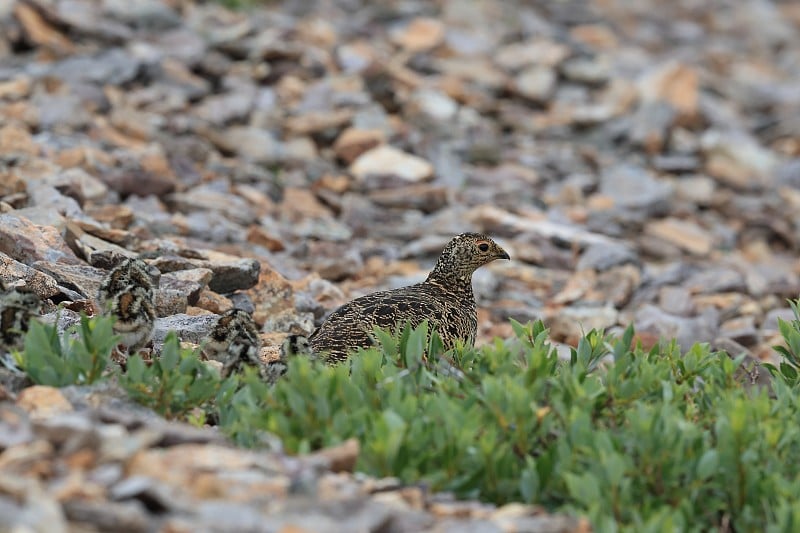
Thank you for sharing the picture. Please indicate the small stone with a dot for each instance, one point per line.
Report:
(170, 302)
(12, 271)
(389, 161)
(716, 279)
(27, 242)
(686, 330)
(189, 328)
(585, 70)
(674, 83)
(738, 160)
(213, 302)
(82, 278)
(353, 142)
(741, 329)
(536, 83)
(635, 187)
(568, 324)
(676, 300)
(419, 35)
(254, 144)
(15, 139)
(43, 402)
(686, 235)
(601, 257)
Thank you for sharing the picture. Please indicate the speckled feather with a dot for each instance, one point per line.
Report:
(17, 308)
(444, 299)
(234, 342)
(128, 294)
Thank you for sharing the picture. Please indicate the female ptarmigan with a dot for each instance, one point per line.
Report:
(127, 293)
(444, 299)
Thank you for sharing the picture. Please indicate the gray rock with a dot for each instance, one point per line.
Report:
(14, 273)
(188, 282)
(686, 330)
(229, 276)
(127, 517)
(601, 257)
(189, 328)
(83, 279)
(716, 280)
(585, 70)
(634, 187)
(170, 302)
(27, 243)
(114, 66)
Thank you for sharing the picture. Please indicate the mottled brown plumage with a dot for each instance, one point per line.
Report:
(127, 293)
(233, 341)
(17, 307)
(444, 299)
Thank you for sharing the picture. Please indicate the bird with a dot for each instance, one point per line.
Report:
(128, 295)
(444, 299)
(18, 305)
(234, 342)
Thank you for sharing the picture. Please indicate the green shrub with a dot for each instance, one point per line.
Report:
(174, 383)
(77, 358)
(638, 440)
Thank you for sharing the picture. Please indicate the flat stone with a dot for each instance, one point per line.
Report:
(420, 34)
(170, 302)
(40, 402)
(606, 255)
(685, 234)
(81, 278)
(686, 330)
(353, 142)
(389, 161)
(675, 83)
(536, 83)
(11, 272)
(189, 328)
(27, 243)
(741, 329)
(634, 187)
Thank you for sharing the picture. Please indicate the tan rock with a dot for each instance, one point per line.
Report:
(16, 88)
(43, 402)
(261, 237)
(353, 142)
(389, 161)
(419, 35)
(302, 203)
(319, 121)
(16, 139)
(685, 234)
(676, 84)
(39, 31)
(27, 242)
(214, 302)
(597, 36)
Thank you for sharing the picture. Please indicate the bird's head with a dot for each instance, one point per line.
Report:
(464, 254)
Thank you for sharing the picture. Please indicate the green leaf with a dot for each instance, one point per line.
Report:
(708, 464)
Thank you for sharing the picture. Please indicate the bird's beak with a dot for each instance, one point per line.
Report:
(502, 254)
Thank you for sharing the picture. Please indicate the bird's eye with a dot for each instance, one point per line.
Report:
(483, 247)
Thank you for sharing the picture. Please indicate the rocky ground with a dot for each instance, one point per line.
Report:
(639, 161)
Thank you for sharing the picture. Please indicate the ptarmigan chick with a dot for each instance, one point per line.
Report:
(17, 307)
(444, 299)
(234, 342)
(128, 294)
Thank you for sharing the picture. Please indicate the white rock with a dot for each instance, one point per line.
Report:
(388, 161)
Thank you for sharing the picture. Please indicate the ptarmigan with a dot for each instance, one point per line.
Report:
(444, 299)
(127, 292)
(17, 307)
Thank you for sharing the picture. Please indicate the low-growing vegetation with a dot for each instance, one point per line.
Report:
(638, 440)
